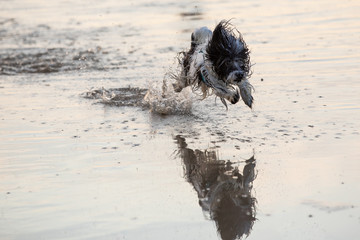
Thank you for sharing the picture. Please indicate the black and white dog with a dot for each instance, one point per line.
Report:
(218, 62)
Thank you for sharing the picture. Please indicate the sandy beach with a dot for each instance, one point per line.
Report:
(73, 167)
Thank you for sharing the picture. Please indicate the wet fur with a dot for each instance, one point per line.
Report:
(218, 62)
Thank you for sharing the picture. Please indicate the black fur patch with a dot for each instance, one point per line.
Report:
(226, 50)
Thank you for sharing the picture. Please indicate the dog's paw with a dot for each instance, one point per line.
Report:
(235, 98)
(177, 88)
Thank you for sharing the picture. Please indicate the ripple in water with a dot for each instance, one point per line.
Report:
(26, 48)
(37, 60)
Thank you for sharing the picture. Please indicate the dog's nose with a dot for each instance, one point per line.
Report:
(239, 76)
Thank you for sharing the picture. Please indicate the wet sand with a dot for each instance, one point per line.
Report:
(78, 168)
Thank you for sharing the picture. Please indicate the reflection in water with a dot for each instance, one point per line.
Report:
(224, 193)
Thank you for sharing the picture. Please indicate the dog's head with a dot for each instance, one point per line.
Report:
(228, 53)
(230, 58)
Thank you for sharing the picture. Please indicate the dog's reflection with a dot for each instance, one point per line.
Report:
(225, 194)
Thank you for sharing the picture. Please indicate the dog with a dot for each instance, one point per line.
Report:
(218, 62)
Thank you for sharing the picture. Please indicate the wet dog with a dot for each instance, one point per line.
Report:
(218, 62)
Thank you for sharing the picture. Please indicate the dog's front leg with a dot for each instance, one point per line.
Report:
(232, 95)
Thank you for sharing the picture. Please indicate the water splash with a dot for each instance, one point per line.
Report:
(159, 98)
(164, 100)
(121, 97)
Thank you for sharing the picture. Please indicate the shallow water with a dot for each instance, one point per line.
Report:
(76, 168)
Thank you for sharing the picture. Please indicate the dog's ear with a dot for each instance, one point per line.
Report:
(219, 50)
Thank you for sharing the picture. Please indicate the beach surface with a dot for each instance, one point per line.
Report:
(74, 167)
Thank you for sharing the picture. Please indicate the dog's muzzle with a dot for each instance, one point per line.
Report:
(235, 77)
(239, 76)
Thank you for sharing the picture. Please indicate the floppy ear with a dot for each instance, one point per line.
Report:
(245, 92)
(216, 50)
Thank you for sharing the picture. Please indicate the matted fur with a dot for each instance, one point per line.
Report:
(217, 62)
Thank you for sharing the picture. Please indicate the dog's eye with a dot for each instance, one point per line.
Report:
(228, 65)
